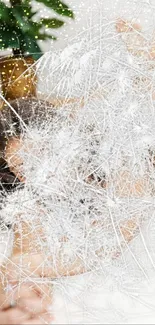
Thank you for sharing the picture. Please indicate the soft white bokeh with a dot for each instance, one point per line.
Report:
(90, 12)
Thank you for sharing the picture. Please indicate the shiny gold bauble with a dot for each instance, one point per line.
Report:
(18, 77)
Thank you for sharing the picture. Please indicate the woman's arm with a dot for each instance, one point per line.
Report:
(28, 261)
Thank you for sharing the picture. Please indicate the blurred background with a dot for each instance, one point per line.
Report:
(30, 28)
(88, 13)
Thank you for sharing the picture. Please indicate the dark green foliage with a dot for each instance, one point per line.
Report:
(18, 30)
(60, 7)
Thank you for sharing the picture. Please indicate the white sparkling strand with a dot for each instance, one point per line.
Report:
(111, 137)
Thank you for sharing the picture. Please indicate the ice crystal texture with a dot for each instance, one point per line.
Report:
(89, 168)
(89, 165)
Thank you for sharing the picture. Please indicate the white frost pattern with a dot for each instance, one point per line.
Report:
(89, 168)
